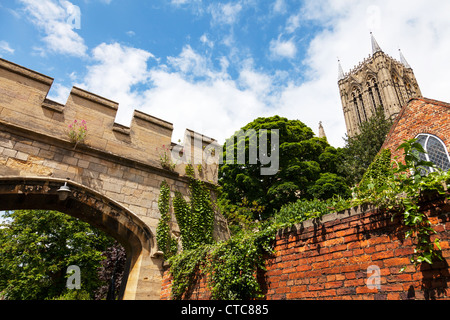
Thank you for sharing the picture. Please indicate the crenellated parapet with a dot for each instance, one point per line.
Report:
(113, 177)
(24, 103)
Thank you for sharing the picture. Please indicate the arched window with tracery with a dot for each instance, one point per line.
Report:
(371, 96)
(436, 151)
(408, 88)
(361, 105)
(397, 89)
(358, 104)
(374, 93)
(377, 90)
(356, 108)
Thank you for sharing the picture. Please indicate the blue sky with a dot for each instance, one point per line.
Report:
(214, 66)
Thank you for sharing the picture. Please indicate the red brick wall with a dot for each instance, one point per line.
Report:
(420, 116)
(330, 260)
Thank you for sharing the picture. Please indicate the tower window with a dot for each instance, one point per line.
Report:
(436, 151)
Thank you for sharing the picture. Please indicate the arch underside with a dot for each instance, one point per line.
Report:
(18, 193)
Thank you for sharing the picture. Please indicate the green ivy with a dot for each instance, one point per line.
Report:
(196, 217)
(184, 268)
(378, 171)
(232, 265)
(164, 240)
(303, 210)
(396, 186)
(411, 183)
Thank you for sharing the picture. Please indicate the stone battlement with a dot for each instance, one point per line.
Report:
(24, 104)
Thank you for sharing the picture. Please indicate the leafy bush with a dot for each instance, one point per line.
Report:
(231, 265)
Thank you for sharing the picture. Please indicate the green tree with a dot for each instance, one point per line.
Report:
(360, 150)
(307, 169)
(37, 247)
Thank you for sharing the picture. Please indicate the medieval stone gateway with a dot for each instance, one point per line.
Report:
(114, 176)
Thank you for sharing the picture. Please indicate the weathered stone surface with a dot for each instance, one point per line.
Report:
(116, 171)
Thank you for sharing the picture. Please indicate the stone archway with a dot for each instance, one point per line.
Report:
(115, 172)
(17, 193)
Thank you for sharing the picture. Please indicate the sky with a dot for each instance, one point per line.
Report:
(214, 66)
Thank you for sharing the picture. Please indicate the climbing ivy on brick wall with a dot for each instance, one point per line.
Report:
(230, 266)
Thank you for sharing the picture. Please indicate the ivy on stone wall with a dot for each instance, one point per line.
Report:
(230, 266)
(196, 217)
(164, 240)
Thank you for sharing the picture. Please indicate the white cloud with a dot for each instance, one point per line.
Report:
(116, 71)
(211, 104)
(191, 63)
(225, 13)
(421, 29)
(293, 23)
(179, 2)
(205, 40)
(279, 6)
(191, 91)
(57, 20)
(283, 49)
(59, 93)
(5, 47)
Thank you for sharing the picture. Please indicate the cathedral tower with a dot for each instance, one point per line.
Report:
(378, 81)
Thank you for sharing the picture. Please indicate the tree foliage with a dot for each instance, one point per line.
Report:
(232, 266)
(37, 247)
(360, 150)
(111, 272)
(308, 168)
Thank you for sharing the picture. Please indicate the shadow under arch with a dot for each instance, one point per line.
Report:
(20, 193)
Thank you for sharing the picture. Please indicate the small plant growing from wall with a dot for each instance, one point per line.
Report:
(77, 132)
(165, 158)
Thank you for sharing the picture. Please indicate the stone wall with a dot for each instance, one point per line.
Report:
(120, 163)
(330, 259)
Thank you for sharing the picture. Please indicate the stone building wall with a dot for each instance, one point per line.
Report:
(120, 163)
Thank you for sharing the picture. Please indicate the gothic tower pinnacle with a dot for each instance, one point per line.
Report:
(341, 75)
(375, 46)
(403, 60)
(321, 131)
(378, 82)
